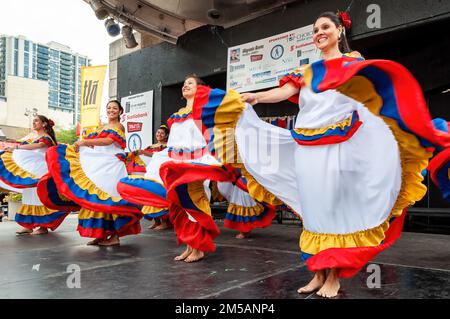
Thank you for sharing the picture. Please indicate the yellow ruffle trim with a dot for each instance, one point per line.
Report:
(312, 243)
(196, 191)
(87, 214)
(246, 211)
(34, 210)
(414, 159)
(117, 130)
(317, 131)
(182, 111)
(80, 178)
(15, 169)
(152, 209)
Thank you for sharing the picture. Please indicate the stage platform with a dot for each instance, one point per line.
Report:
(266, 265)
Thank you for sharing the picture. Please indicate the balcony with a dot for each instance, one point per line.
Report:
(43, 52)
(42, 71)
(65, 80)
(65, 57)
(65, 72)
(42, 62)
(65, 63)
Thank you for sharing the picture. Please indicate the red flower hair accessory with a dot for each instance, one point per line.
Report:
(344, 16)
(51, 123)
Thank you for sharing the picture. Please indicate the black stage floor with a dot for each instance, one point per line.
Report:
(266, 265)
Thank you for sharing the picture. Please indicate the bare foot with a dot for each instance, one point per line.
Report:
(112, 241)
(184, 255)
(94, 242)
(155, 224)
(162, 226)
(24, 231)
(331, 286)
(196, 255)
(243, 235)
(316, 283)
(40, 231)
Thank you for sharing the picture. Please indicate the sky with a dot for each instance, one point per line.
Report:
(69, 22)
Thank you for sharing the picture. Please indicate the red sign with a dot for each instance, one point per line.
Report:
(256, 57)
(134, 127)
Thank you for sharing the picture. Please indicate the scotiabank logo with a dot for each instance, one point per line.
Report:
(256, 57)
(134, 127)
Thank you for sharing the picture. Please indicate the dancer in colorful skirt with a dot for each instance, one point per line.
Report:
(21, 168)
(353, 163)
(87, 173)
(180, 175)
(137, 165)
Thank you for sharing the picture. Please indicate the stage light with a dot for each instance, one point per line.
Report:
(112, 27)
(100, 11)
(214, 14)
(128, 37)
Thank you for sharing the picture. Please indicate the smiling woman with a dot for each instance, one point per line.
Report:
(329, 30)
(88, 173)
(21, 168)
(357, 146)
(179, 176)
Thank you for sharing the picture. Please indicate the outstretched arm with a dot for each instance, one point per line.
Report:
(146, 153)
(271, 96)
(93, 142)
(33, 146)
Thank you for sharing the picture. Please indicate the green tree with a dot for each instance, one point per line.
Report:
(68, 136)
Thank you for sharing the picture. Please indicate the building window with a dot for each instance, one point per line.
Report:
(27, 46)
(16, 62)
(26, 65)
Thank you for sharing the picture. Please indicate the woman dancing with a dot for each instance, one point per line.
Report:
(21, 168)
(87, 173)
(138, 164)
(353, 163)
(180, 179)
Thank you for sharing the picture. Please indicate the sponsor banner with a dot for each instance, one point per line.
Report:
(134, 127)
(92, 78)
(138, 120)
(260, 64)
